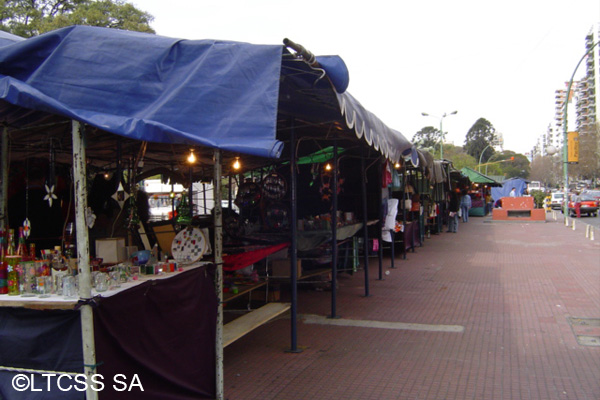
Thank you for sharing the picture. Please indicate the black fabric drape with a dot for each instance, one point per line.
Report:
(163, 331)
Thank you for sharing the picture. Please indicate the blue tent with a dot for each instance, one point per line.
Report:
(219, 94)
(504, 191)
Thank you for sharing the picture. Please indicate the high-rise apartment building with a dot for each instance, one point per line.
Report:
(582, 109)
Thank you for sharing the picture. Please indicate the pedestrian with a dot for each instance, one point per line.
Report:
(577, 201)
(453, 207)
(465, 205)
(513, 192)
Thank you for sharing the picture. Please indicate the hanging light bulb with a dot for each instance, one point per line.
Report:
(236, 164)
(327, 167)
(397, 165)
(191, 157)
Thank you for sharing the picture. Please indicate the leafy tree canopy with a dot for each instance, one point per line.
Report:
(29, 18)
(517, 168)
(459, 157)
(427, 137)
(480, 135)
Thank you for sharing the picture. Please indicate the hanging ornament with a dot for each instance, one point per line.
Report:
(26, 223)
(50, 196)
(26, 228)
(133, 220)
(50, 182)
(183, 211)
(120, 195)
(90, 217)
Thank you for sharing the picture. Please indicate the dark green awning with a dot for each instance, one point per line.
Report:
(478, 177)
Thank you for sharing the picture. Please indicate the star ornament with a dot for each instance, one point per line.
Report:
(50, 196)
(120, 195)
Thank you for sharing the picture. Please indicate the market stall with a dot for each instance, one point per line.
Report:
(280, 102)
(480, 191)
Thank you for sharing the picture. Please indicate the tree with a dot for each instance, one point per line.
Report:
(459, 157)
(547, 169)
(29, 18)
(480, 135)
(518, 167)
(427, 137)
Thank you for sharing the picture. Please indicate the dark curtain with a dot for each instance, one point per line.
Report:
(160, 334)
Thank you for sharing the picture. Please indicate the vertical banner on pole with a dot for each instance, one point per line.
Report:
(573, 147)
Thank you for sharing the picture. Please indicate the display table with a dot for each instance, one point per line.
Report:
(478, 209)
(58, 302)
(308, 240)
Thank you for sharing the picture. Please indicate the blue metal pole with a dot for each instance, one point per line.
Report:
(294, 247)
(363, 170)
(334, 245)
(381, 218)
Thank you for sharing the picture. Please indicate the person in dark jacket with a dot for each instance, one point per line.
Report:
(453, 207)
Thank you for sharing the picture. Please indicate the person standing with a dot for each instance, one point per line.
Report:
(453, 207)
(465, 205)
(513, 192)
(577, 201)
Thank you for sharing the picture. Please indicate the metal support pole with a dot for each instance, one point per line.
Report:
(230, 192)
(442, 138)
(218, 221)
(191, 194)
(204, 198)
(381, 218)
(4, 184)
(480, 157)
(294, 246)
(363, 170)
(334, 244)
(83, 255)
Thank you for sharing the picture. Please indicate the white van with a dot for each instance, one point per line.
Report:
(557, 200)
(535, 185)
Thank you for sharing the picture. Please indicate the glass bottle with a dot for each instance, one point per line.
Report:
(22, 247)
(10, 244)
(32, 251)
(13, 275)
(3, 271)
(12, 264)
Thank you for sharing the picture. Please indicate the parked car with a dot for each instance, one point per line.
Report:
(557, 200)
(594, 193)
(589, 206)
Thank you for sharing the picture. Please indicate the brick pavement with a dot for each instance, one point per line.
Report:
(512, 286)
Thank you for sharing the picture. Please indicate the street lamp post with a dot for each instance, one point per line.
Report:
(481, 155)
(441, 129)
(565, 136)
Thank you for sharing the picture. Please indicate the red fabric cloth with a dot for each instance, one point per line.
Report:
(233, 262)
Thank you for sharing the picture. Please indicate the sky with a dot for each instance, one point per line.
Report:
(502, 61)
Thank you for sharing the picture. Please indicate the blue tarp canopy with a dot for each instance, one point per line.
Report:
(219, 94)
(504, 191)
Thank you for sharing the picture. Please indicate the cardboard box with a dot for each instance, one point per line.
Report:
(111, 250)
(281, 268)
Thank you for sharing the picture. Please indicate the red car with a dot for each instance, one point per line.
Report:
(589, 206)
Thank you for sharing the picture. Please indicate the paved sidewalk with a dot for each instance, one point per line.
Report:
(502, 307)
